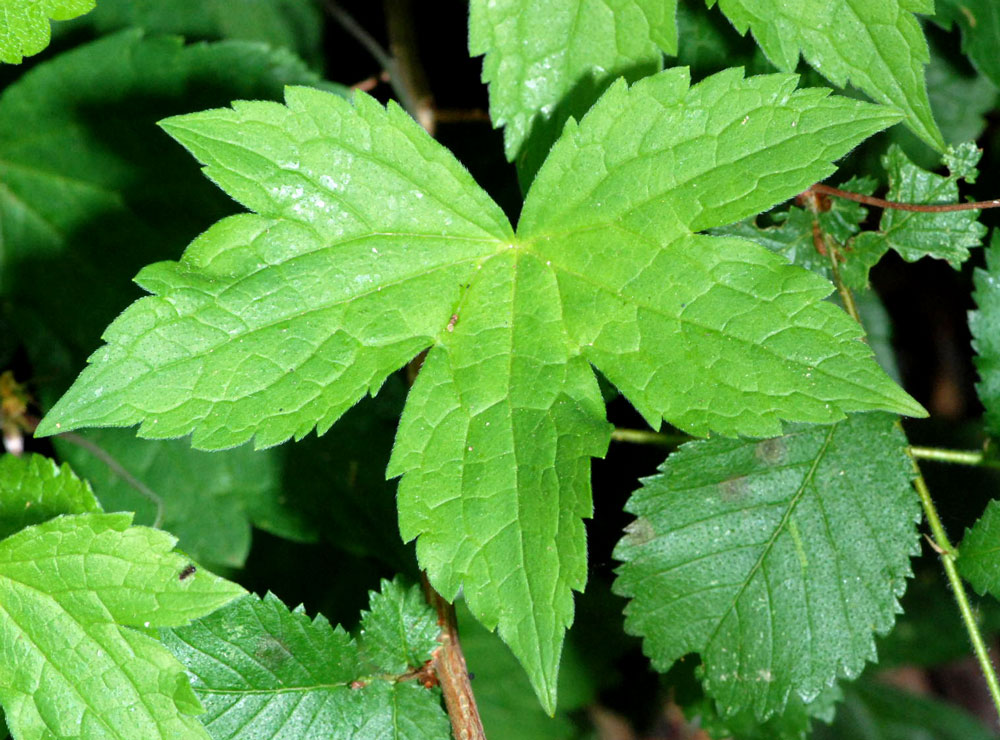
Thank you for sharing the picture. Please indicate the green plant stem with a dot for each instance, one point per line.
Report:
(974, 458)
(648, 437)
(948, 555)
(940, 539)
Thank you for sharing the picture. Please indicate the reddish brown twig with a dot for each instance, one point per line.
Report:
(869, 200)
(452, 673)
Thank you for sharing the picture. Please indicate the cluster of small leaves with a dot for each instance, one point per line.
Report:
(262, 670)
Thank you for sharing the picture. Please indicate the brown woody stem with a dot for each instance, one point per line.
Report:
(869, 200)
(452, 673)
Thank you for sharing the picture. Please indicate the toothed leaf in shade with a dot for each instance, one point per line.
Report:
(876, 45)
(399, 631)
(984, 324)
(914, 235)
(370, 243)
(33, 489)
(547, 60)
(71, 588)
(264, 671)
(980, 24)
(777, 561)
(25, 27)
(979, 553)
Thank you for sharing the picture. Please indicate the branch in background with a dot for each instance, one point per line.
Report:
(648, 437)
(407, 71)
(452, 673)
(869, 200)
(113, 465)
(402, 66)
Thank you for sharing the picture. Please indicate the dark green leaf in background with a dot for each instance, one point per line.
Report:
(775, 560)
(264, 671)
(296, 25)
(914, 235)
(875, 711)
(34, 489)
(92, 188)
(984, 324)
(25, 27)
(980, 24)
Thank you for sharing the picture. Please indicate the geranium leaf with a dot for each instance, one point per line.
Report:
(777, 561)
(370, 243)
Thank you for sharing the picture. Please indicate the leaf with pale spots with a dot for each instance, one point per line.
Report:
(369, 243)
(777, 561)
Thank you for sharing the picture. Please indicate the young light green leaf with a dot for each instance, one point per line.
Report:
(914, 235)
(399, 631)
(34, 489)
(293, 24)
(775, 560)
(70, 588)
(984, 324)
(873, 710)
(371, 243)
(980, 24)
(24, 25)
(264, 671)
(876, 45)
(548, 60)
(979, 553)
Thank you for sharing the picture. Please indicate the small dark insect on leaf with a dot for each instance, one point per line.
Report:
(187, 572)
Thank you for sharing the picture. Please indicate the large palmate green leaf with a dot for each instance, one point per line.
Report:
(293, 24)
(984, 324)
(876, 45)
(547, 60)
(24, 24)
(775, 560)
(71, 588)
(33, 489)
(263, 671)
(369, 243)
